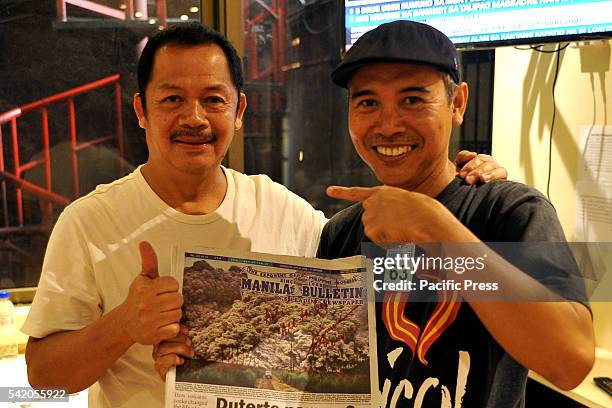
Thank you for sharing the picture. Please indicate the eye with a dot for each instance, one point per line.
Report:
(171, 99)
(412, 100)
(215, 102)
(367, 103)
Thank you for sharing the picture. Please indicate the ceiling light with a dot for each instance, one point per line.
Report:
(184, 17)
(194, 9)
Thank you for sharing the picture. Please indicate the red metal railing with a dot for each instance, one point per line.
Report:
(128, 11)
(276, 13)
(46, 194)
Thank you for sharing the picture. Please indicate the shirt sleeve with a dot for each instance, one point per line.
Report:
(308, 226)
(67, 297)
(535, 242)
(343, 234)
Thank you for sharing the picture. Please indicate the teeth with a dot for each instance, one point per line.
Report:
(193, 141)
(393, 151)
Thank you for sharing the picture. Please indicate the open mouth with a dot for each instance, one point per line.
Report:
(194, 139)
(394, 151)
(194, 142)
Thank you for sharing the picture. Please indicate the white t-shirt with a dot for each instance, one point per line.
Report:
(92, 258)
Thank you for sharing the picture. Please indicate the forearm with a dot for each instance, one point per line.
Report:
(544, 332)
(541, 330)
(77, 359)
(554, 339)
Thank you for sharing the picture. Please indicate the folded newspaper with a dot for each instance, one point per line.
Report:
(273, 331)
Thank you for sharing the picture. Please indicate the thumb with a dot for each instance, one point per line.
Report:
(148, 260)
(463, 157)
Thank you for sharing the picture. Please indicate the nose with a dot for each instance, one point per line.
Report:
(389, 121)
(193, 115)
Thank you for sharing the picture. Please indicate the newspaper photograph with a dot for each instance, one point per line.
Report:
(273, 332)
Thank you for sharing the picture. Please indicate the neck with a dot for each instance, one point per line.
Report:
(434, 183)
(194, 194)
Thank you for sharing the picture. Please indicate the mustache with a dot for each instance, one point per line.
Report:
(207, 136)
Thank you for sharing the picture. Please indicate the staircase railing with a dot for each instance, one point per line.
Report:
(128, 13)
(46, 193)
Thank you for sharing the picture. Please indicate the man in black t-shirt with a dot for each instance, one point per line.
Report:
(404, 97)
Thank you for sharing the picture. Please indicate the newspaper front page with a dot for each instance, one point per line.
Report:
(273, 332)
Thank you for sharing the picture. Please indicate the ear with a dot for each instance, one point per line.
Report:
(242, 104)
(459, 103)
(142, 118)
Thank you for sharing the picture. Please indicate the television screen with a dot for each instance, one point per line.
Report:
(476, 23)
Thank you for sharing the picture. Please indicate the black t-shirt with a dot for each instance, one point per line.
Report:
(464, 366)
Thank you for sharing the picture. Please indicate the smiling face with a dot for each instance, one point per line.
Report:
(400, 121)
(193, 109)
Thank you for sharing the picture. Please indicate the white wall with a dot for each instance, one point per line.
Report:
(522, 117)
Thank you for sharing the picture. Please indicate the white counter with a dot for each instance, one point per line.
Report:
(13, 373)
(587, 393)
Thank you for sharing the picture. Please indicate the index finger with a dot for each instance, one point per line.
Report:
(350, 193)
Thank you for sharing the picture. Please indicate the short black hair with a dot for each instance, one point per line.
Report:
(450, 85)
(192, 33)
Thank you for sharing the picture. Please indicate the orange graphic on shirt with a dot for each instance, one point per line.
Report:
(402, 329)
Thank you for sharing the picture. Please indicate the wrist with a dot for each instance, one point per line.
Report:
(120, 316)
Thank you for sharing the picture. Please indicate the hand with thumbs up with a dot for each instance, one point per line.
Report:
(152, 309)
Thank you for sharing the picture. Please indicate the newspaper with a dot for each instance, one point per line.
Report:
(273, 331)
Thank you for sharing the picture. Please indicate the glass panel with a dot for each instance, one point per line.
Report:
(68, 72)
(295, 129)
(296, 120)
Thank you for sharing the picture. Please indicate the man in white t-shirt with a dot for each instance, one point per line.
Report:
(105, 295)
(101, 301)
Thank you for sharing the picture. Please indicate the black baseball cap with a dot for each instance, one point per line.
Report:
(399, 41)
